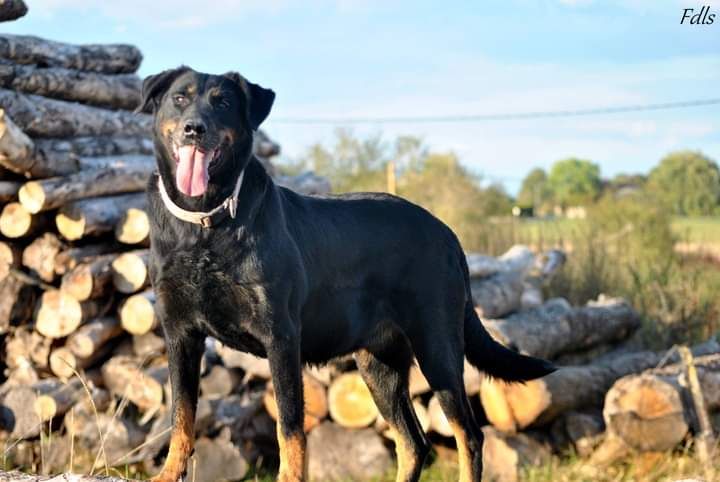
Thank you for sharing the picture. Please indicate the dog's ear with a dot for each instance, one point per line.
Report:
(259, 99)
(154, 86)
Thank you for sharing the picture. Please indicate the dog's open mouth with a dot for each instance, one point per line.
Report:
(191, 173)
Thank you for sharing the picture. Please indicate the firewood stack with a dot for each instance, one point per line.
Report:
(85, 378)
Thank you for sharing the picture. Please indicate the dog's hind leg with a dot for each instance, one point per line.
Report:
(184, 354)
(440, 355)
(386, 375)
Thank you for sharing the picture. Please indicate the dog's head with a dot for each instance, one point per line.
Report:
(203, 125)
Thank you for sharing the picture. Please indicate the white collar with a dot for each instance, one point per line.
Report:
(205, 219)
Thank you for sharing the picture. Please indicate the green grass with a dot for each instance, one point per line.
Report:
(697, 230)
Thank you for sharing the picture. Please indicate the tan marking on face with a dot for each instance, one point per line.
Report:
(181, 445)
(167, 127)
(464, 455)
(293, 460)
(191, 89)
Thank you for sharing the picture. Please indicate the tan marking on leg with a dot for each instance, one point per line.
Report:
(464, 454)
(293, 460)
(181, 445)
(407, 460)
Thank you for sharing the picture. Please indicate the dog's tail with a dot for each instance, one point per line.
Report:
(491, 357)
(496, 360)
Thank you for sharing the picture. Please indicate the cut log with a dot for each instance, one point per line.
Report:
(124, 376)
(120, 436)
(42, 117)
(17, 300)
(336, 453)
(130, 273)
(10, 258)
(137, 313)
(26, 347)
(106, 58)
(130, 175)
(18, 222)
(12, 10)
(92, 335)
(498, 295)
(95, 216)
(14, 143)
(68, 259)
(64, 363)
(111, 91)
(315, 397)
(305, 183)
(538, 402)
(556, 327)
(438, 422)
(506, 456)
(217, 459)
(19, 401)
(219, 382)
(254, 367)
(39, 256)
(148, 345)
(653, 411)
(91, 279)
(133, 227)
(59, 314)
(517, 258)
(350, 403)
(57, 402)
(580, 431)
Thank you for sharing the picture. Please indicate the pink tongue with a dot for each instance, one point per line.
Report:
(192, 171)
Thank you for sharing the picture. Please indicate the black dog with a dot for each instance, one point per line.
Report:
(301, 279)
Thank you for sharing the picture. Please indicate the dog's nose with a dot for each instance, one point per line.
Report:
(194, 128)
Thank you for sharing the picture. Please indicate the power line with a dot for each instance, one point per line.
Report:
(497, 116)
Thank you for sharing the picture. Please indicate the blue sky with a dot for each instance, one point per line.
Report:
(368, 58)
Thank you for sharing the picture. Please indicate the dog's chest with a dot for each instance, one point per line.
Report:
(222, 297)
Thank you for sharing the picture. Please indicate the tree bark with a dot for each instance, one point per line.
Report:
(89, 280)
(12, 10)
(350, 403)
(93, 216)
(556, 327)
(17, 300)
(516, 406)
(60, 314)
(19, 401)
(10, 258)
(108, 59)
(110, 91)
(219, 382)
(217, 459)
(137, 313)
(70, 258)
(15, 145)
(9, 190)
(580, 431)
(129, 175)
(91, 336)
(130, 273)
(42, 117)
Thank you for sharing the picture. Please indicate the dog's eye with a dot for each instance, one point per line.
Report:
(221, 102)
(180, 100)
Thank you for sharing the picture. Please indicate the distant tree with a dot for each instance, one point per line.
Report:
(535, 190)
(688, 181)
(574, 182)
(351, 164)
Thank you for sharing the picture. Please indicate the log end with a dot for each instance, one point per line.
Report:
(350, 403)
(70, 224)
(59, 314)
(15, 220)
(129, 273)
(133, 227)
(137, 314)
(32, 196)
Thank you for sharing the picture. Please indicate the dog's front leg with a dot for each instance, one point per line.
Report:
(184, 354)
(285, 367)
